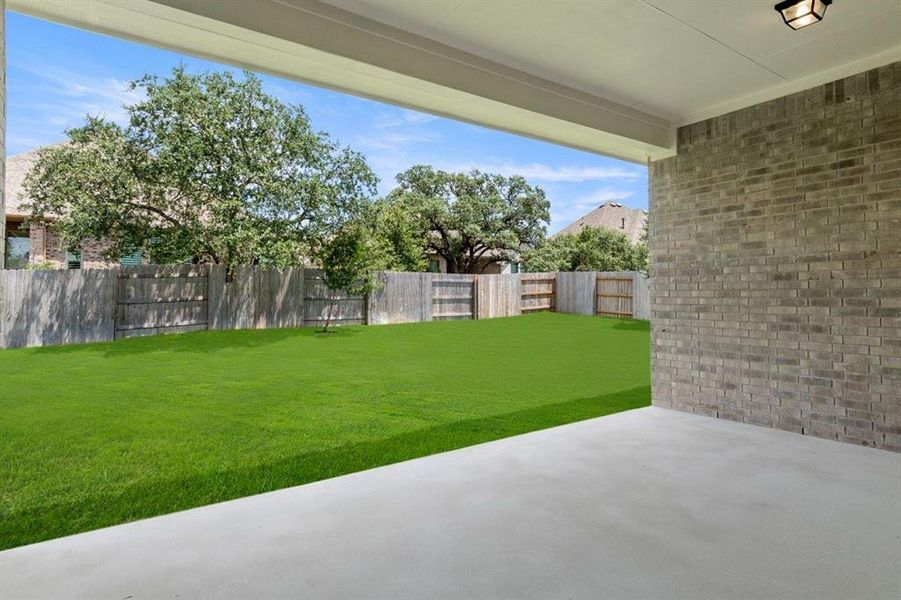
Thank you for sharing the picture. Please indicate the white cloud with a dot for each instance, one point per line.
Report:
(390, 157)
(287, 94)
(397, 140)
(600, 196)
(401, 118)
(386, 166)
(69, 95)
(564, 212)
(395, 130)
(549, 173)
(23, 142)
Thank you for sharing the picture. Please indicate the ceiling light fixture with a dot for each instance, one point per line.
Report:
(801, 13)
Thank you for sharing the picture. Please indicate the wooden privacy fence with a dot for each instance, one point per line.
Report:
(454, 297)
(614, 297)
(318, 300)
(257, 298)
(152, 300)
(66, 307)
(48, 308)
(401, 298)
(498, 295)
(538, 292)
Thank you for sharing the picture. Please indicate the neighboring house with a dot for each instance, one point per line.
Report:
(437, 264)
(611, 215)
(37, 243)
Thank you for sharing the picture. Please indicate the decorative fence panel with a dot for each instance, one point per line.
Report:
(538, 292)
(152, 300)
(454, 297)
(615, 297)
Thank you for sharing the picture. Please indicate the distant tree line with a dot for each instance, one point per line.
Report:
(210, 168)
(592, 249)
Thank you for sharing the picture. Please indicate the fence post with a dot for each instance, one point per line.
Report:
(366, 308)
(427, 296)
(114, 300)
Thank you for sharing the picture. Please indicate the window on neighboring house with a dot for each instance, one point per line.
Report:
(18, 245)
(73, 259)
(434, 266)
(514, 267)
(132, 259)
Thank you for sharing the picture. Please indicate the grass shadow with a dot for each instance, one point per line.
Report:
(632, 325)
(197, 342)
(151, 499)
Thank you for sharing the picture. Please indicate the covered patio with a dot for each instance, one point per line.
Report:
(650, 503)
(775, 210)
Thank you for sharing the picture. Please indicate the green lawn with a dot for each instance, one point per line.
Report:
(99, 434)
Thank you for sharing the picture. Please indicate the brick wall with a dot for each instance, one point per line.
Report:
(776, 259)
(92, 255)
(46, 246)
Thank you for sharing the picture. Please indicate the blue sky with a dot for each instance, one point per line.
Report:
(56, 75)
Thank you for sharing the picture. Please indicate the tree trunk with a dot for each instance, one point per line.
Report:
(328, 315)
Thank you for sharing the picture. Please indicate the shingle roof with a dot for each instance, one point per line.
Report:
(17, 167)
(611, 215)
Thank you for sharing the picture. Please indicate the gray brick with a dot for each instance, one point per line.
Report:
(776, 264)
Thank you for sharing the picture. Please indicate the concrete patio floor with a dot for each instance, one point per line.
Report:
(645, 504)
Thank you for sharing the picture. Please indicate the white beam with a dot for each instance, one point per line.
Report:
(309, 41)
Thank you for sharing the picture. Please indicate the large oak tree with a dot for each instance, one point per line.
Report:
(472, 219)
(210, 168)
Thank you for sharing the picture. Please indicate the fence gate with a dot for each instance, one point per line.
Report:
(615, 297)
(453, 298)
(538, 292)
(152, 299)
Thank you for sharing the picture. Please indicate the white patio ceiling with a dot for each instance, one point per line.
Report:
(610, 76)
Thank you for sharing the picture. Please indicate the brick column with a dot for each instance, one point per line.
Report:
(776, 260)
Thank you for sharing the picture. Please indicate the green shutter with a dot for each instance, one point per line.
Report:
(73, 259)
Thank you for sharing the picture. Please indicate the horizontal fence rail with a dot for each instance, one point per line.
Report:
(154, 300)
(42, 308)
(453, 297)
(538, 292)
(615, 297)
